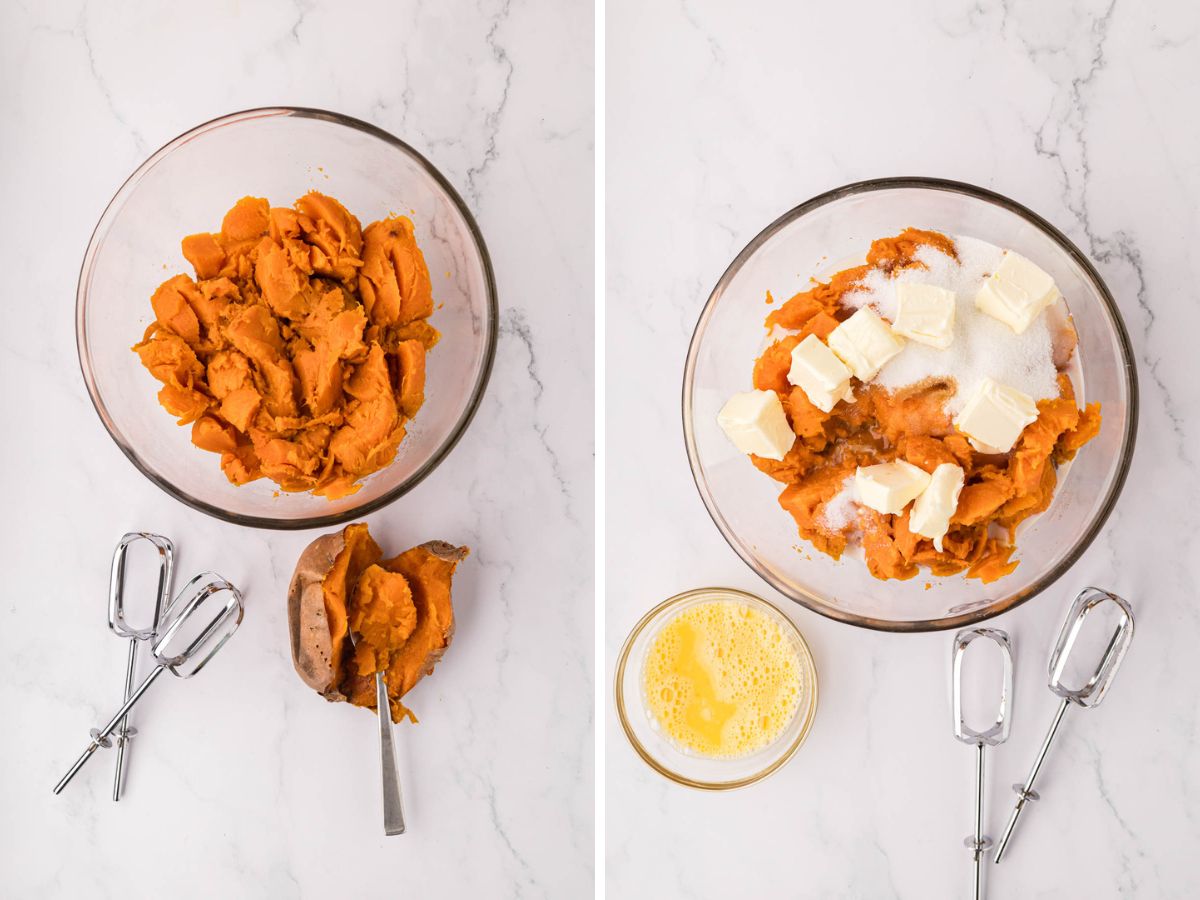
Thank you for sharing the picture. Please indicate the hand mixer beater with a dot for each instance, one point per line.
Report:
(196, 625)
(1086, 696)
(994, 734)
(119, 626)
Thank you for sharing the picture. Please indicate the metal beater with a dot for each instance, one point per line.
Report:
(1089, 695)
(176, 650)
(121, 628)
(996, 733)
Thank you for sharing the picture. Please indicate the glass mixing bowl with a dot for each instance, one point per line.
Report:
(707, 773)
(729, 336)
(280, 154)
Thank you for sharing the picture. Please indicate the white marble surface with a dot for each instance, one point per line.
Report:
(720, 119)
(243, 782)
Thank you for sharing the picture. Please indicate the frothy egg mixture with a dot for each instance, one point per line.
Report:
(722, 679)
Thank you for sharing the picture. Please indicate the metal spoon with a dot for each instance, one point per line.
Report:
(393, 811)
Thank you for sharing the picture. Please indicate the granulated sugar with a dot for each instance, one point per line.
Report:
(842, 511)
(982, 346)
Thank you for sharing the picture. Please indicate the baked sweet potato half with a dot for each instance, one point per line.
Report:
(398, 609)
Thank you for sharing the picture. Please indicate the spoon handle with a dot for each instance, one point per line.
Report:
(393, 813)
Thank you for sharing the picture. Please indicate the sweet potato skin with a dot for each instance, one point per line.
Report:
(312, 646)
(326, 662)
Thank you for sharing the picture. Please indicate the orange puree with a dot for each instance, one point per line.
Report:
(298, 351)
(910, 424)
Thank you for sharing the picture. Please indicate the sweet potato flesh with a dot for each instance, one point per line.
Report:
(430, 577)
(359, 553)
(911, 424)
(383, 613)
(399, 611)
(297, 352)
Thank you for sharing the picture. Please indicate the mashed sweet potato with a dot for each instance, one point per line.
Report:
(297, 352)
(910, 424)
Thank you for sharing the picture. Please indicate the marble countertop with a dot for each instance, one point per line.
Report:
(244, 783)
(1082, 111)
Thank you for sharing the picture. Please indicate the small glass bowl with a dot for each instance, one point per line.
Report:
(186, 187)
(729, 335)
(705, 773)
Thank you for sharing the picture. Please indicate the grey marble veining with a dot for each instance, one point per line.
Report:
(1084, 111)
(244, 783)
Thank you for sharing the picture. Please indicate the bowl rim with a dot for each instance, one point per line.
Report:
(809, 665)
(1128, 437)
(491, 324)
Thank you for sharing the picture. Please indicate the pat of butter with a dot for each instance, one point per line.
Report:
(818, 372)
(1017, 292)
(889, 487)
(756, 423)
(930, 516)
(865, 343)
(925, 313)
(995, 415)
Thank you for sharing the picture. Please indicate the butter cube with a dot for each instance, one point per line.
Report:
(995, 415)
(930, 516)
(865, 343)
(925, 313)
(818, 372)
(756, 423)
(889, 487)
(1017, 292)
